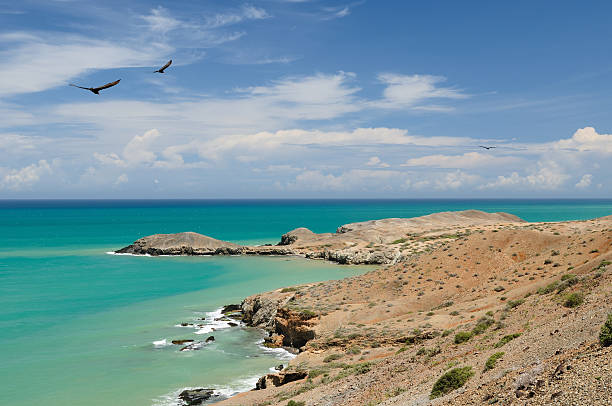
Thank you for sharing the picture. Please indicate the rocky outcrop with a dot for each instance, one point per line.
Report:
(188, 243)
(286, 327)
(375, 242)
(196, 396)
(279, 379)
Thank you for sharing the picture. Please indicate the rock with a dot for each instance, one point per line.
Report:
(195, 396)
(231, 308)
(188, 243)
(279, 367)
(209, 339)
(279, 379)
(294, 235)
(231, 324)
(181, 342)
(194, 346)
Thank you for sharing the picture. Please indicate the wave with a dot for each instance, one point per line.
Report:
(161, 343)
(212, 321)
(126, 254)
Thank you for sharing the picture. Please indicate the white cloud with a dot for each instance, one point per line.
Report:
(585, 181)
(587, 139)
(375, 161)
(136, 152)
(411, 91)
(40, 62)
(245, 13)
(455, 180)
(161, 21)
(355, 179)
(25, 177)
(123, 178)
(549, 175)
(466, 160)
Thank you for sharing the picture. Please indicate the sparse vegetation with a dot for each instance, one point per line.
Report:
(463, 336)
(490, 364)
(289, 289)
(451, 380)
(573, 300)
(506, 339)
(605, 336)
(514, 303)
(482, 325)
(294, 403)
(332, 357)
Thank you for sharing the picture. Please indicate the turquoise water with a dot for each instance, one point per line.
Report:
(77, 325)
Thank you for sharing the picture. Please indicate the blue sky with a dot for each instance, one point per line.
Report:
(290, 98)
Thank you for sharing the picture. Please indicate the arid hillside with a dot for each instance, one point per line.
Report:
(510, 312)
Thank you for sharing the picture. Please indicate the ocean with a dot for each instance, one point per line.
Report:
(81, 326)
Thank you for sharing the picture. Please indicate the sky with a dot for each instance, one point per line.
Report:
(306, 99)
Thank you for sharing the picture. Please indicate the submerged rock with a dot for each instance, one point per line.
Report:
(211, 338)
(195, 396)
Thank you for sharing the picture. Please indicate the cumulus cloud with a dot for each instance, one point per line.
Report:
(123, 178)
(17, 179)
(585, 181)
(549, 175)
(375, 161)
(455, 180)
(587, 139)
(136, 151)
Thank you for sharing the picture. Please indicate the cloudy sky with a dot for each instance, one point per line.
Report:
(305, 98)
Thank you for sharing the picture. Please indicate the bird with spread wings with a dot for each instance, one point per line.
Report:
(163, 68)
(96, 90)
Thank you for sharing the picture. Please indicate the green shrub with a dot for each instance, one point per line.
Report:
(514, 303)
(573, 299)
(490, 364)
(400, 241)
(506, 339)
(463, 336)
(332, 357)
(446, 333)
(294, 403)
(605, 336)
(286, 290)
(482, 325)
(451, 380)
(548, 288)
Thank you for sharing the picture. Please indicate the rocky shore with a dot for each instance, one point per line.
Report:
(385, 241)
(490, 313)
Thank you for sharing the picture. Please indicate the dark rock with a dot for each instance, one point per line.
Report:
(556, 394)
(279, 367)
(181, 342)
(231, 308)
(195, 396)
(231, 324)
(211, 338)
(520, 393)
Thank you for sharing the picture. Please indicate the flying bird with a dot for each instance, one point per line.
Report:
(487, 148)
(96, 90)
(163, 68)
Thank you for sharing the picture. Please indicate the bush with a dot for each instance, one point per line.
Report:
(605, 336)
(548, 288)
(332, 357)
(286, 290)
(482, 325)
(294, 403)
(463, 336)
(573, 300)
(451, 380)
(490, 364)
(514, 303)
(506, 339)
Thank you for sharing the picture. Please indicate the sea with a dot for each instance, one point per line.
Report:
(81, 326)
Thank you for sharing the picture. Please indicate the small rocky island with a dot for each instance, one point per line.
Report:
(384, 241)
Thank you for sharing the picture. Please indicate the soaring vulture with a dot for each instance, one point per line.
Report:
(96, 90)
(487, 148)
(163, 68)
